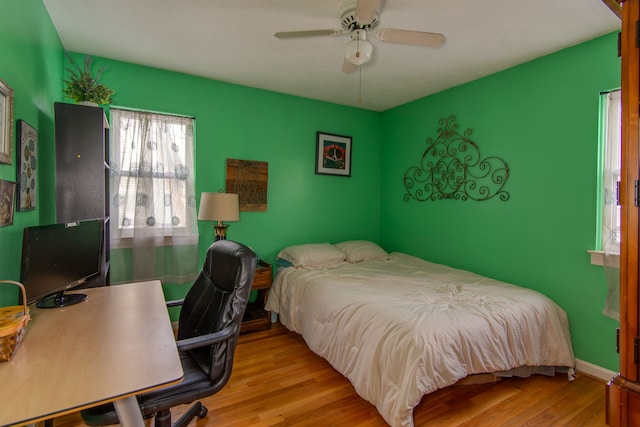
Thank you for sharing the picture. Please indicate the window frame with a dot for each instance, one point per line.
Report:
(597, 255)
(186, 234)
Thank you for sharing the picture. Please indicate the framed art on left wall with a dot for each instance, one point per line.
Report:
(28, 161)
(6, 123)
(7, 194)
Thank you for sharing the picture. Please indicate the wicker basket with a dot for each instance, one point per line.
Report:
(13, 325)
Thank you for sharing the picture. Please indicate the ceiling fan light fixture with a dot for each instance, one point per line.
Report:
(358, 50)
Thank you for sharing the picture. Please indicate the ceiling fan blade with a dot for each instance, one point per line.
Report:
(308, 33)
(348, 67)
(419, 38)
(366, 10)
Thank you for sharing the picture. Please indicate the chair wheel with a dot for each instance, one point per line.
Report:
(203, 412)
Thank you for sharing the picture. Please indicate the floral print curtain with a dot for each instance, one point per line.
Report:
(153, 195)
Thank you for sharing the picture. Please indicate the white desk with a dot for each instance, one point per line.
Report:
(116, 344)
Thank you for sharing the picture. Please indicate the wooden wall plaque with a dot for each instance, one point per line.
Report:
(248, 179)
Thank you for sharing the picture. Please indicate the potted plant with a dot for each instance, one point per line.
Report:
(82, 87)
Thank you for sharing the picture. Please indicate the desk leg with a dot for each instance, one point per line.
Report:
(129, 412)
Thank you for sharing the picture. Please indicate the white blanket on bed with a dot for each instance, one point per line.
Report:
(401, 328)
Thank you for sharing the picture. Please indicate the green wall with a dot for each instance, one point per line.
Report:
(32, 66)
(541, 118)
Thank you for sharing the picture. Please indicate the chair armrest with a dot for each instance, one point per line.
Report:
(175, 302)
(208, 339)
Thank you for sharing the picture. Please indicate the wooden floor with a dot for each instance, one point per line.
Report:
(278, 381)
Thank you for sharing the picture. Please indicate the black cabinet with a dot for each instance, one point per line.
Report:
(82, 170)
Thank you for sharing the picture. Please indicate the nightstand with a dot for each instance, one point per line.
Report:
(256, 318)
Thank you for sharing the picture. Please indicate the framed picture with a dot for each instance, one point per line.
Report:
(6, 123)
(333, 154)
(7, 193)
(27, 167)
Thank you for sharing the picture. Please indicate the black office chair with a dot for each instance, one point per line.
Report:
(208, 330)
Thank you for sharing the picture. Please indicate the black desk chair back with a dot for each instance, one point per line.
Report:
(208, 331)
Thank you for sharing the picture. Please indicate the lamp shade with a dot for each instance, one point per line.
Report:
(219, 207)
(358, 50)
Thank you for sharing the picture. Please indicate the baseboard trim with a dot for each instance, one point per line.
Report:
(594, 370)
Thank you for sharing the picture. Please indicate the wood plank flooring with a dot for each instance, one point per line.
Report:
(277, 381)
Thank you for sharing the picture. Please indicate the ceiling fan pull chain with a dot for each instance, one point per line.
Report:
(360, 84)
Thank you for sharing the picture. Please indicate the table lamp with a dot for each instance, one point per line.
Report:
(219, 207)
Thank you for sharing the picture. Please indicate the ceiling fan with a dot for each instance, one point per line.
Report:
(357, 18)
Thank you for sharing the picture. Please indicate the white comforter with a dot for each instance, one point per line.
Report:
(401, 328)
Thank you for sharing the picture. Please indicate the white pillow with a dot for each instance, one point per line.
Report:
(312, 255)
(362, 250)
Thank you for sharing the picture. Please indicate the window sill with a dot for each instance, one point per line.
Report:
(597, 258)
(128, 242)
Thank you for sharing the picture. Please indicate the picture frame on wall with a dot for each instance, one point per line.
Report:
(27, 167)
(7, 194)
(333, 154)
(6, 123)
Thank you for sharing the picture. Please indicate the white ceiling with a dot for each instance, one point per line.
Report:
(232, 41)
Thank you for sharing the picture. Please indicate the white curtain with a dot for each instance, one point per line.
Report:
(153, 203)
(611, 210)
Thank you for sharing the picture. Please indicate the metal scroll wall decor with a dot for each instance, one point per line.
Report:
(451, 168)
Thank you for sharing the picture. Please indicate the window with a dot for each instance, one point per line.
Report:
(609, 168)
(152, 177)
(611, 144)
(610, 162)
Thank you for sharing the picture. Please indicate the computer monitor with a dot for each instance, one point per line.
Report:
(58, 257)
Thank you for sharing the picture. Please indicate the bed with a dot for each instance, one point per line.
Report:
(399, 327)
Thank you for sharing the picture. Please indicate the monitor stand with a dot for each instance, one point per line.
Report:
(61, 300)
